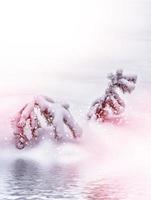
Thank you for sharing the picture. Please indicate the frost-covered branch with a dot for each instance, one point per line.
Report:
(111, 103)
(57, 116)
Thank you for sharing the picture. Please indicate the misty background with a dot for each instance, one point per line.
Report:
(45, 44)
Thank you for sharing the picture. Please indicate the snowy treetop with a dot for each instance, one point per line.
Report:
(111, 103)
(57, 115)
(126, 83)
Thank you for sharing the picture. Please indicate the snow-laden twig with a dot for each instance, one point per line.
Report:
(57, 116)
(111, 104)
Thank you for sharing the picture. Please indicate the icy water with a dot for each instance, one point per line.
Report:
(26, 179)
(68, 60)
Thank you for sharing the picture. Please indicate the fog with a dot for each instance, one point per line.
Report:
(45, 40)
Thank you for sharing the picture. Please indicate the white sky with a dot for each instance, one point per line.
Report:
(61, 37)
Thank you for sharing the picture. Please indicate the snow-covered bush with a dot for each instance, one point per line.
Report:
(57, 115)
(111, 103)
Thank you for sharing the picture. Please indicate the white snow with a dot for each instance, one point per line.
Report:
(57, 115)
(110, 103)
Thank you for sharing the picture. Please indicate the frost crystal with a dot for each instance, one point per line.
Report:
(111, 103)
(57, 115)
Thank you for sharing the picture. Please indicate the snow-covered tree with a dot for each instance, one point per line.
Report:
(111, 103)
(57, 116)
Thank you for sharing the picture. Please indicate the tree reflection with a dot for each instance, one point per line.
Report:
(104, 191)
(29, 179)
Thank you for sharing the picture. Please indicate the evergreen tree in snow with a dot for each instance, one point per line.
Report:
(111, 103)
(57, 115)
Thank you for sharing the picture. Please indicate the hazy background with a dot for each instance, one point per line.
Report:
(47, 42)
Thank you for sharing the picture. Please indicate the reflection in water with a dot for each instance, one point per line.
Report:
(104, 191)
(24, 178)
(27, 179)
